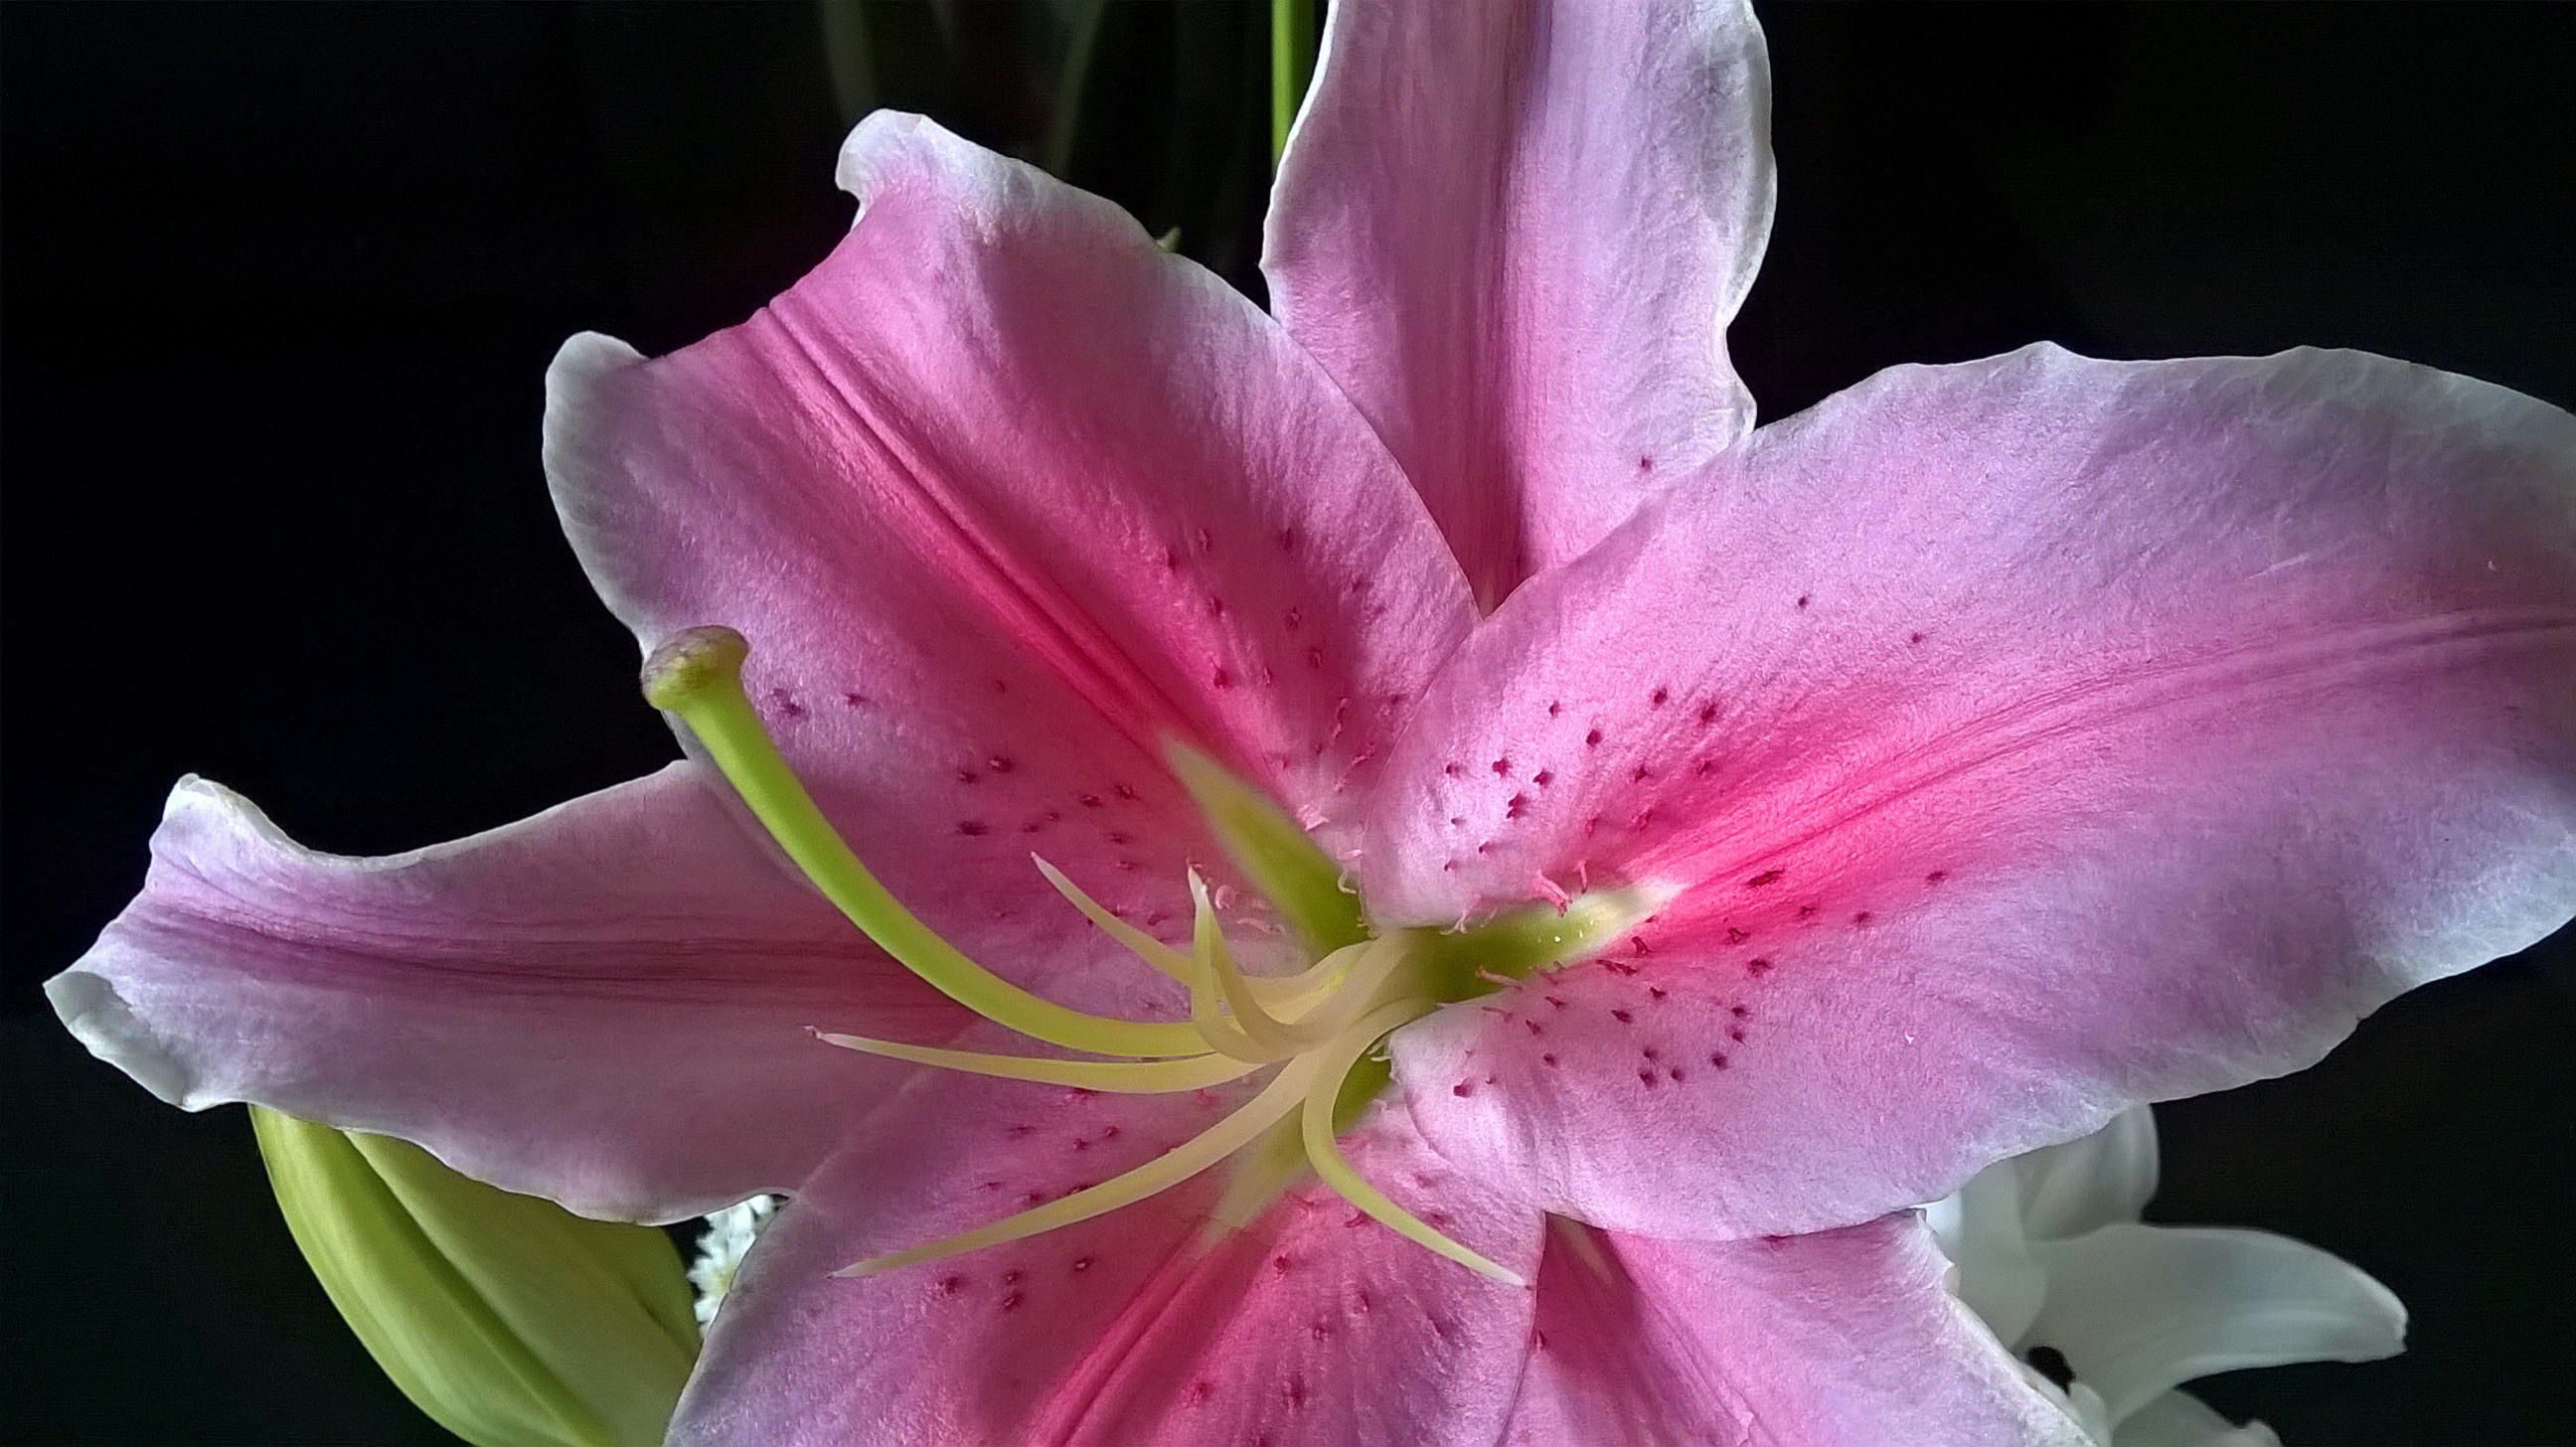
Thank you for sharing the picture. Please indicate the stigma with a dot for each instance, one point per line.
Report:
(1314, 1034)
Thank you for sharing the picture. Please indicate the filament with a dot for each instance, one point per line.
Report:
(1120, 1077)
(1324, 1152)
(1274, 1103)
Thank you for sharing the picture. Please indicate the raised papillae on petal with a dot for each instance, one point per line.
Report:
(1514, 234)
(2025, 738)
(1007, 498)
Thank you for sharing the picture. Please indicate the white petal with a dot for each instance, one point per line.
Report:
(2139, 1310)
(1980, 1229)
(2179, 1419)
(2100, 1179)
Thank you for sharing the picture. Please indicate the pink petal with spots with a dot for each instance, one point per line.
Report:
(1302, 1328)
(1515, 235)
(606, 1004)
(1003, 495)
(2029, 737)
(1836, 1339)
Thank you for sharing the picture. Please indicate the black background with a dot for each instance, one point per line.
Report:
(280, 285)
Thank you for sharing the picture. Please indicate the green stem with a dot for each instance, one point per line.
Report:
(1292, 65)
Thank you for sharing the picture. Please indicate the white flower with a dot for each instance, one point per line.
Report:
(2051, 1253)
(730, 1233)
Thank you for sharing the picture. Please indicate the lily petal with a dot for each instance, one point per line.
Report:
(2179, 1419)
(2139, 1310)
(1515, 235)
(1839, 1337)
(1309, 1324)
(605, 1004)
(2025, 738)
(2103, 1179)
(1005, 496)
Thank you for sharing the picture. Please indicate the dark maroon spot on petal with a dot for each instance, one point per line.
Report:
(1171, 561)
(967, 776)
(1548, 1059)
(1806, 911)
(1675, 1073)
(1287, 539)
(1803, 600)
(951, 1285)
(1863, 917)
(1936, 876)
(1651, 1053)
(1118, 838)
(1557, 1000)
(1736, 936)
(1592, 739)
(1221, 679)
(1768, 876)
(1706, 768)
(1645, 464)
(1088, 801)
(1717, 1062)
(1624, 1015)
(1020, 1132)
(972, 828)
(1738, 1011)
(1543, 777)
(855, 700)
(1657, 992)
(1202, 1389)
(1502, 768)
(1640, 774)
(1012, 1301)
(1757, 967)
(1708, 713)
(1532, 1026)
(1554, 708)
(1082, 1263)
(1279, 1264)
(1913, 637)
(1659, 698)
(1516, 806)
(1463, 1089)
(1736, 1034)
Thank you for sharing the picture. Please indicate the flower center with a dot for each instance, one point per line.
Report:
(1315, 1030)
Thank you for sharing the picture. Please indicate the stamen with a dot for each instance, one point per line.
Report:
(1252, 1034)
(1274, 1103)
(1142, 945)
(697, 675)
(1324, 1151)
(1120, 1077)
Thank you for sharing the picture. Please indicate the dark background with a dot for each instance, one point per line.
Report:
(279, 285)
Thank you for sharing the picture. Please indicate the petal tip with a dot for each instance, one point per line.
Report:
(99, 1018)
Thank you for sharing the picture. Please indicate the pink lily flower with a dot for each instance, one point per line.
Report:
(1747, 837)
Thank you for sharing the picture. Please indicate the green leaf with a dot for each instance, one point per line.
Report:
(511, 1321)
